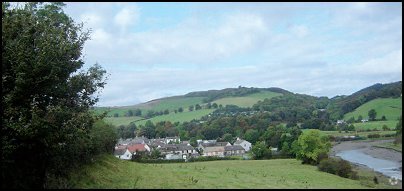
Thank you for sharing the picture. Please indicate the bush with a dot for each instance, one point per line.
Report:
(144, 160)
(328, 165)
(211, 158)
(374, 135)
(338, 167)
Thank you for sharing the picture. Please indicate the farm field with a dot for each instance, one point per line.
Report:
(170, 103)
(375, 124)
(110, 172)
(362, 134)
(180, 117)
(389, 107)
(121, 120)
(247, 101)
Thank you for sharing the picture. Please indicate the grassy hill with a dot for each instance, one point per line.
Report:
(122, 120)
(110, 172)
(173, 103)
(180, 117)
(248, 100)
(389, 107)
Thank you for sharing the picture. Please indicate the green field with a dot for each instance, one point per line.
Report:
(121, 120)
(375, 124)
(170, 103)
(389, 107)
(247, 101)
(180, 117)
(362, 134)
(110, 172)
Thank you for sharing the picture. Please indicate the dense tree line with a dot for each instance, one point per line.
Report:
(47, 127)
(211, 95)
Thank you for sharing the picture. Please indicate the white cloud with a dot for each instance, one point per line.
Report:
(386, 65)
(341, 49)
(126, 17)
(92, 20)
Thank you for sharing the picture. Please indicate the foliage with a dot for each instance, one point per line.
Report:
(47, 127)
(372, 114)
(338, 167)
(310, 145)
(376, 135)
(261, 151)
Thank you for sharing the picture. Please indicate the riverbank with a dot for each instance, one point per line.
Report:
(369, 148)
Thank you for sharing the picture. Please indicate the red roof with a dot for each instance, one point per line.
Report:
(136, 147)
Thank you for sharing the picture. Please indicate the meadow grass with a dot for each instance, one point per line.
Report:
(117, 121)
(248, 100)
(110, 172)
(375, 125)
(180, 117)
(170, 103)
(389, 107)
(353, 133)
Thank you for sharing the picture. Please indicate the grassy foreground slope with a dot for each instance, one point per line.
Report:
(248, 100)
(389, 107)
(110, 172)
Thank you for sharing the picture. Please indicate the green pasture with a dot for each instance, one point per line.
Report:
(389, 107)
(247, 101)
(121, 120)
(180, 117)
(110, 172)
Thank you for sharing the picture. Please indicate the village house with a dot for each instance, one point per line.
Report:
(214, 151)
(340, 121)
(172, 139)
(235, 150)
(203, 145)
(173, 151)
(123, 154)
(138, 147)
(243, 143)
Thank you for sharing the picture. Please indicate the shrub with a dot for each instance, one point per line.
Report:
(338, 167)
(374, 135)
(328, 165)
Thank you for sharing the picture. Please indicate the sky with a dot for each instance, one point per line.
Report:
(154, 50)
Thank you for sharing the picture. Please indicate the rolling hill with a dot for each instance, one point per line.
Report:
(389, 107)
(243, 97)
(385, 98)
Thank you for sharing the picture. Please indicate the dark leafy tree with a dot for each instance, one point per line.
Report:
(372, 114)
(47, 128)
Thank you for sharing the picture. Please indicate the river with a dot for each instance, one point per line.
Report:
(385, 161)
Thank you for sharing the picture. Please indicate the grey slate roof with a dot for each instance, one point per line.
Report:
(233, 148)
(119, 151)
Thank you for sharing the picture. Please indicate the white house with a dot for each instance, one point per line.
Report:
(245, 144)
(172, 139)
(123, 154)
